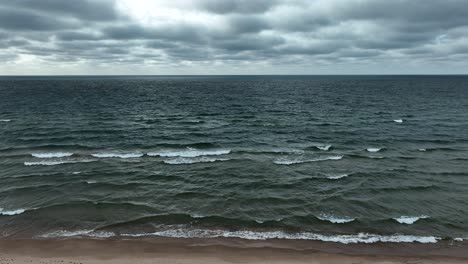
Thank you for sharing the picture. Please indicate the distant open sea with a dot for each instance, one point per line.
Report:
(349, 159)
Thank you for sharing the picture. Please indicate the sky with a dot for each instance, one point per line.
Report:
(94, 37)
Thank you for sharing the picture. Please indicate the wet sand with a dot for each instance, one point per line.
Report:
(210, 251)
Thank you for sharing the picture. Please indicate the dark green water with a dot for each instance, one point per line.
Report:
(333, 158)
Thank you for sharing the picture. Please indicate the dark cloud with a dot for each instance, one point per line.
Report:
(94, 10)
(237, 6)
(209, 32)
(12, 19)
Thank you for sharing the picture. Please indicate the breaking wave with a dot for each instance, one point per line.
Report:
(408, 220)
(118, 155)
(287, 161)
(47, 155)
(189, 153)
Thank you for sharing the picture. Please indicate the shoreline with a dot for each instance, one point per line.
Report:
(176, 250)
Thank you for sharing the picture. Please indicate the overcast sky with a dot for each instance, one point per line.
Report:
(233, 36)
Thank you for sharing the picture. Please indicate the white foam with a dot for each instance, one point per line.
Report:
(252, 235)
(53, 162)
(458, 239)
(118, 155)
(398, 120)
(47, 155)
(78, 233)
(189, 153)
(422, 149)
(286, 161)
(334, 219)
(5, 120)
(337, 176)
(76, 172)
(408, 220)
(374, 149)
(180, 160)
(326, 147)
(11, 212)
(91, 182)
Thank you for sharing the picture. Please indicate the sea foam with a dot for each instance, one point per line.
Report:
(53, 162)
(5, 120)
(118, 155)
(336, 176)
(408, 220)
(11, 212)
(374, 149)
(189, 153)
(325, 147)
(180, 160)
(288, 161)
(47, 155)
(334, 219)
(254, 235)
(398, 120)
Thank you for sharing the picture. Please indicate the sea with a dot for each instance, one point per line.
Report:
(347, 159)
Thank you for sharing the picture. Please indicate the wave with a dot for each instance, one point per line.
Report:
(180, 160)
(47, 155)
(53, 162)
(408, 220)
(5, 120)
(373, 149)
(11, 212)
(189, 153)
(256, 235)
(77, 233)
(422, 149)
(286, 161)
(398, 120)
(118, 155)
(337, 176)
(334, 219)
(325, 147)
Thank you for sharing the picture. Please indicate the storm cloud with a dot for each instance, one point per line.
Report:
(233, 36)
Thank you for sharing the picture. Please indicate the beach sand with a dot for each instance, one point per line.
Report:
(74, 251)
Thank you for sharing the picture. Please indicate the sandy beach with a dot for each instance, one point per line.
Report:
(83, 251)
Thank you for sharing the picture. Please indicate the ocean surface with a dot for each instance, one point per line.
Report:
(350, 159)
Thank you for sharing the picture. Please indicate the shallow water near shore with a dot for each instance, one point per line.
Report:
(349, 159)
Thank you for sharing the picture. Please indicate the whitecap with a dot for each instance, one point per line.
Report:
(334, 219)
(5, 120)
(11, 212)
(53, 162)
(118, 155)
(254, 235)
(458, 239)
(189, 153)
(91, 182)
(408, 220)
(398, 120)
(337, 176)
(288, 161)
(374, 149)
(47, 155)
(180, 160)
(325, 147)
(422, 149)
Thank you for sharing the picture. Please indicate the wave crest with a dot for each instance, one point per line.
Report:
(286, 161)
(181, 160)
(409, 220)
(334, 219)
(47, 155)
(118, 155)
(189, 153)
(11, 212)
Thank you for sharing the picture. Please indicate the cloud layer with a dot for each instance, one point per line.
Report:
(229, 36)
